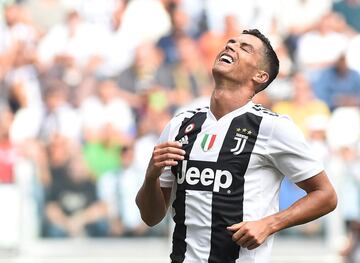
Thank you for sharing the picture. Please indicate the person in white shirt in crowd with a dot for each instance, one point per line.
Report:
(59, 117)
(107, 108)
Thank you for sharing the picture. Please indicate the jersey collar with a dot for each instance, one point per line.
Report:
(233, 113)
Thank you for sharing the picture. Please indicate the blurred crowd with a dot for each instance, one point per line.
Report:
(86, 86)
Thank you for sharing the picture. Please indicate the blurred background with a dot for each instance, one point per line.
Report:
(86, 86)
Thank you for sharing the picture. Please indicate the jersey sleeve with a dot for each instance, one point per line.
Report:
(289, 152)
(166, 177)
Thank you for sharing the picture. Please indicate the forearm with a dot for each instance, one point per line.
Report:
(314, 205)
(151, 202)
(151, 199)
(55, 215)
(93, 213)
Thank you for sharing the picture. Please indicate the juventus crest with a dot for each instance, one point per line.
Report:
(241, 140)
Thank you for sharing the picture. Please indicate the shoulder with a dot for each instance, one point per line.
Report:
(258, 109)
(189, 113)
(273, 123)
(179, 120)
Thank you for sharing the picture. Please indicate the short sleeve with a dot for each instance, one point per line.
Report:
(166, 177)
(290, 153)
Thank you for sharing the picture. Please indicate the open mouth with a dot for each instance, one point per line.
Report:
(226, 58)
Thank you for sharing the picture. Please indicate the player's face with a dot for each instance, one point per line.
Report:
(240, 59)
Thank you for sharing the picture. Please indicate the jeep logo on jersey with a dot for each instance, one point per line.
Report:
(241, 140)
(207, 177)
(208, 141)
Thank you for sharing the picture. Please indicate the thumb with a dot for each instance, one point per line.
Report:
(235, 226)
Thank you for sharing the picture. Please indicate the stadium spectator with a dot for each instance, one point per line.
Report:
(338, 85)
(303, 106)
(7, 149)
(321, 46)
(189, 78)
(59, 117)
(212, 41)
(72, 208)
(350, 10)
(167, 43)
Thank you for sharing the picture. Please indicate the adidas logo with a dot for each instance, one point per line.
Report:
(184, 140)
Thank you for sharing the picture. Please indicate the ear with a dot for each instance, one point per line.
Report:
(261, 77)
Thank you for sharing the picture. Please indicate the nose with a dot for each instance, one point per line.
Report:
(230, 45)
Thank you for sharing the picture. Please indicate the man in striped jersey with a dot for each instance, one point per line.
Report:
(220, 168)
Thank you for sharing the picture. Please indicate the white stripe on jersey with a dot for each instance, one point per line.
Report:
(197, 213)
(212, 127)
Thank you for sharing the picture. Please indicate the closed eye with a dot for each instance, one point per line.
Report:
(247, 47)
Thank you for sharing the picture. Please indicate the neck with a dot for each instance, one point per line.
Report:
(225, 99)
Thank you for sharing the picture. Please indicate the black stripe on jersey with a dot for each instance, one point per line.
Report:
(259, 107)
(179, 235)
(192, 111)
(227, 208)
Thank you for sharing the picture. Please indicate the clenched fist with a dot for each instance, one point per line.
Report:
(164, 154)
(250, 235)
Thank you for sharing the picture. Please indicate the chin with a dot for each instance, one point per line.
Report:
(219, 70)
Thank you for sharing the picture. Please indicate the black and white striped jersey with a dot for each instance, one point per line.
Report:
(231, 173)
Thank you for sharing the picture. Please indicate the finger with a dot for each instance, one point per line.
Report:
(235, 227)
(175, 144)
(238, 234)
(168, 156)
(244, 240)
(167, 163)
(253, 246)
(248, 242)
(166, 150)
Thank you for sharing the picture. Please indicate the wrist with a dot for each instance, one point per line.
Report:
(152, 175)
(272, 224)
(151, 179)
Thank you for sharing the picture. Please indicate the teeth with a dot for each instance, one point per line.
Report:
(227, 57)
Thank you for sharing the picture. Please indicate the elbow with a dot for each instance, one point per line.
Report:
(147, 216)
(150, 222)
(331, 201)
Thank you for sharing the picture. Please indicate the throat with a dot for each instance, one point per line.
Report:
(225, 101)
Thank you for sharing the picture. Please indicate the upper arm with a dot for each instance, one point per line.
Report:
(321, 184)
(317, 182)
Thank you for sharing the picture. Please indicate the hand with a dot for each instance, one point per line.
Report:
(75, 225)
(164, 154)
(250, 235)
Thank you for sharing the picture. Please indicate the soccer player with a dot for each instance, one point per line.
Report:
(220, 168)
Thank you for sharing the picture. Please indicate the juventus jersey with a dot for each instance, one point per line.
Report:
(231, 173)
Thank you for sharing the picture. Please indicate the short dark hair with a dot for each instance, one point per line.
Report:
(271, 59)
